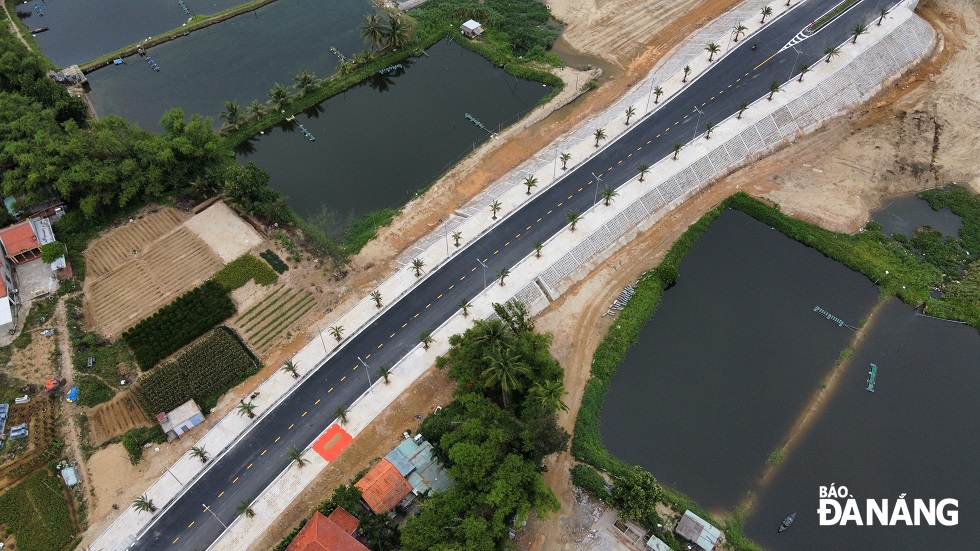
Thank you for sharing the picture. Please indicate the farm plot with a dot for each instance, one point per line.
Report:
(36, 513)
(115, 249)
(272, 318)
(171, 265)
(115, 418)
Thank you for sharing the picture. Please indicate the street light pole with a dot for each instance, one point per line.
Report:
(596, 198)
(484, 272)
(697, 123)
(367, 369)
(171, 472)
(208, 509)
(793, 68)
(320, 332)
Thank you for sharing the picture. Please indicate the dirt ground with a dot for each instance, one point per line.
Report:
(115, 417)
(228, 235)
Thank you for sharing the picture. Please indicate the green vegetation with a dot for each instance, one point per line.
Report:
(775, 458)
(265, 303)
(203, 372)
(378, 531)
(36, 513)
(93, 391)
(175, 325)
(363, 229)
(244, 269)
(829, 16)
(263, 323)
(51, 252)
(109, 356)
(587, 478)
(273, 259)
(135, 439)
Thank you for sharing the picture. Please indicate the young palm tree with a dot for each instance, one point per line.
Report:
(464, 305)
(255, 109)
(537, 248)
(830, 52)
(376, 297)
(630, 111)
(884, 12)
(417, 265)
(144, 504)
(565, 157)
(709, 126)
(289, 367)
(198, 452)
(246, 408)
(396, 34)
(384, 372)
(530, 181)
(687, 71)
(295, 455)
(341, 414)
(599, 134)
(304, 81)
(773, 88)
(657, 92)
(505, 371)
(787, 2)
(279, 96)
(738, 30)
(677, 149)
(859, 29)
(457, 235)
(607, 194)
(573, 217)
(804, 69)
(425, 337)
(766, 12)
(244, 508)
(232, 113)
(495, 208)
(549, 395)
(642, 168)
(502, 275)
(741, 109)
(337, 332)
(372, 30)
(712, 50)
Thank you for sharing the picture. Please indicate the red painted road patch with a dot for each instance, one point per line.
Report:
(332, 442)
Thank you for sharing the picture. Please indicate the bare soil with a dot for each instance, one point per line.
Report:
(116, 247)
(115, 417)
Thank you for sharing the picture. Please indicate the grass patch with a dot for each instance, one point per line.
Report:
(135, 439)
(93, 391)
(273, 259)
(775, 458)
(829, 16)
(274, 331)
(289, 302)
(364, 228)
(304, 300)
(270, 296)
(243, 269)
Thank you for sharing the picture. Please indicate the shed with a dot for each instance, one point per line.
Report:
(70, 476)
(4, 411)
(417, 463)
(324, 534)
(182, 419)
(697, 531)
(471, 29)
(656, 544)
(383, 487)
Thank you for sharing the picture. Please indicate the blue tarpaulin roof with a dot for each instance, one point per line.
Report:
(72, 394)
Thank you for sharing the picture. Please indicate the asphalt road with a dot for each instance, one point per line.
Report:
(244, 470)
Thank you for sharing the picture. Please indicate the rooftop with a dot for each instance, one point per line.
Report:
(383, 487)
(346, 521)
(19, 238)
(178, 415)
(697, 531)
(322, 534)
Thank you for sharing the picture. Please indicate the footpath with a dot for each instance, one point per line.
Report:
(801, 107)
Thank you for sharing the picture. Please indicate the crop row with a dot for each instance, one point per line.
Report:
(273, 259)
(262, 302)
(36, 513)
(287, 302)
(274, 331)
(244, 268)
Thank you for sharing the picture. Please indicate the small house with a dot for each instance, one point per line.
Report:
(471, 29)
(182, 419)
(416, 461)
(698, 531)
(328, 533)
(656, 544)
(383, 487)
(70, 476)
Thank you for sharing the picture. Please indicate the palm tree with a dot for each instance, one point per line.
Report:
(738, 30)
(295, 455)
(859, 29)
(712, 50)
(573, 217)
(565, 157)
(289, 367)
(787, 2)
(198, 452)
(417, 265)
(425, 337)
(530, 181)
(608, 193)
(773, 88)
(630, 111)
(376, 297)
(741, 109)
(279, 96)
(804, 69)
(246, 408)
(372, 30)
(549, 395)
(337, 331)
(396, 34)
(232, 113)
(505, 371)
(642, 168)
(144, 504)
(677, 149)
(495, 208)
(304, 81)
(599, 134)
(709, 126)
(384, 372)
(830, 52)
(464, 305)
(687, 71)
(255, 109)
(766, 12)
(537, 248)
(457, 235)
(244, 508)
(341, 414)
(657, 92)
(884, 12)
(502, 275)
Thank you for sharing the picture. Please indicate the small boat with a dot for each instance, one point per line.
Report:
(38, 30)
(787, 522)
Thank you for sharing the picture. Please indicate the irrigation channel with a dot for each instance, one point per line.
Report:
(394, 134)
(734, 353)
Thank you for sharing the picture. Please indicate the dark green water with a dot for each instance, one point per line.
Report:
(241, 58)
(380, 142)
(906, 213)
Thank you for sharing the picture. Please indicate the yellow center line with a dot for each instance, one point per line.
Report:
(497, 251)
(485, 260)
(712, 99)
(518, 236)
(451, 286)
(234, 481)
(415, 316)
(559, 204)
(729, 85)
(570, 196)
(263, 451)
(704, 103)
(382, 344)
(474, 269)
(639, 148)
(429, 304)
(304, 414)
(221, 494)
(628, 156)
(507, 243)
(619, 163)
(666, 130)
(440, 296)
(720, 92)
(549, 212)
(317, 402)
(538, 221)
(291, 425)
(342, 378)
(391, 336)
(581, 188)
(404, 325)
(686, 116)
(529, 227)
(658, 135)
(329, 391)
(368, 357)
(175, 540)
(191, 524)
(738, 79)
(610, 168)
(280, 437)
(354, 368)
(249, 466)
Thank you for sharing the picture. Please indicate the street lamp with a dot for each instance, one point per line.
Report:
(208, 509)
(320, 332)
(793, 68)
(596, 198)
(700, 112)
(484, 272)
(169, 471)
(367, 369)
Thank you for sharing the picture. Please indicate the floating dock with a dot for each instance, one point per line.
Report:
(184, 7)
(37, 8)
(828, 315)
(153, 64)
(302, 128)
(391, 68)
(871, 378)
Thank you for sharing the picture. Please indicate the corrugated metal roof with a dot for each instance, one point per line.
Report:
(655, 544)
(400, 461)
(427, 474)
(70, 476)
(697, 531)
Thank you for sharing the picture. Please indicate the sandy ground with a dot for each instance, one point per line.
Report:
(228, 235)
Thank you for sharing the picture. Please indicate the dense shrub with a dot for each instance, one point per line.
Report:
(135, 439)
(177, 324)
(273, 259)
(36, 513)
(589, 479)
(93, 391)
(243, 269)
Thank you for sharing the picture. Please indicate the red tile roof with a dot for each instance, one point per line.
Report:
(321, 534)
(383, 487)
(18, 238)
(347, 522)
